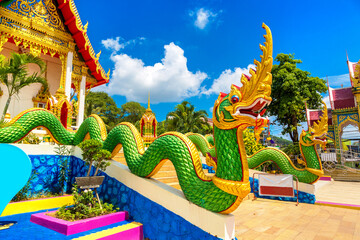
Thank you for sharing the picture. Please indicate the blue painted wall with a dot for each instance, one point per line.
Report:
(45, 171)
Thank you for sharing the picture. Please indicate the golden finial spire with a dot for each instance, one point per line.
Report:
(149, 100)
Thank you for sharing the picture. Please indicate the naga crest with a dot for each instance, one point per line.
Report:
(244, 106)
(317, 133)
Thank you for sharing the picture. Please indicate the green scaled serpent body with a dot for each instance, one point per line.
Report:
(222, 192)
(173, 146)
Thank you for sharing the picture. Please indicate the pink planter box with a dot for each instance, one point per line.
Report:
(69, 228)
(130, 234)
(325, 178)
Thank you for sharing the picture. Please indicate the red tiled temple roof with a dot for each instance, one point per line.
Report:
(342, 98)
(314, 115)
(73, 22)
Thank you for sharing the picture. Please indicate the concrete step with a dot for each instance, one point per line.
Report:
(167, 179)
(161, 174)
(130, 231)
(344, 174)
(175, 185)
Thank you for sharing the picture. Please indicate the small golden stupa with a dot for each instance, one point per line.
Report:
(148, 125)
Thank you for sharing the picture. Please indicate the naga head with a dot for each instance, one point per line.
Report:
(317, 133)
(244, 106)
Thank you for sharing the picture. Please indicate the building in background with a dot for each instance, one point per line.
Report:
(52, 30)
(344, 107)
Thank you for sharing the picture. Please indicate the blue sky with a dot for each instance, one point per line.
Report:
(191, 50)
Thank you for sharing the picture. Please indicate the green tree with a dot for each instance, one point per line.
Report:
(185, 119)
(161, 127)
(102, 104)
(93, 153)
(251, 146)
(280, 141)
(14, 74)
(292, 150)
(291, 87)
(132, 112)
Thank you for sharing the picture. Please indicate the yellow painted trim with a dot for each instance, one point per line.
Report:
(157, 168)
(109, 232)
(116, 149)
(316, 172)
(236, 188)
(36, 205)
(338, 206)
(103, 132)
(233, 207)
(210, 162)
(138, 139)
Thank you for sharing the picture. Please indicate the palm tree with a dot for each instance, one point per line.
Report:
(185, 119)
(14, 74)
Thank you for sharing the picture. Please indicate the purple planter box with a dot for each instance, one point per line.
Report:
(69, 228)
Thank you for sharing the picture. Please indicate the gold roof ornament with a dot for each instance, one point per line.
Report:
(356, 78)
(86, 26)
(98, 55)
(149, 115)
(321, 127)
(42, 96)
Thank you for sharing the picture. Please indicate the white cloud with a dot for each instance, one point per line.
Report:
(228, 77)
(113, 44)
(336, 81)
(326, 100)
(203, 17)
(168, 81)
(119, 43)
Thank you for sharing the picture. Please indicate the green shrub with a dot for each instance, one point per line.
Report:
(85, 206)
(64, 171)
(94, 154)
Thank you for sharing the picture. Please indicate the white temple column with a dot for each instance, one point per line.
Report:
(81, 101)
(68, 75)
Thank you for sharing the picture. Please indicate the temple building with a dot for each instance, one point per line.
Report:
(148, 126)
(52, 30)
(344, 107)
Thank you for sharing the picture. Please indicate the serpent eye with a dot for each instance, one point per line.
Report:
(234, 99)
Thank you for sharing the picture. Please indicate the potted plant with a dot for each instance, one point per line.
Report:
(93, 154)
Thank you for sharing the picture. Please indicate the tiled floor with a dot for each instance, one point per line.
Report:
(268, 219)
(340, 192)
